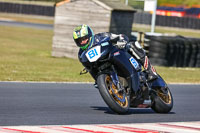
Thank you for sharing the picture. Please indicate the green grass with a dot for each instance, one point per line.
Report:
(179, 75)
(179, 2)
(25, 55)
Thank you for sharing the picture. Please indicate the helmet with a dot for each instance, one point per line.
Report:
(83, 36)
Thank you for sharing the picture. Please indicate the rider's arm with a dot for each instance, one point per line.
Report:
(119, 40)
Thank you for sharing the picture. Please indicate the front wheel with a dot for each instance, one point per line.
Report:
(117, 100)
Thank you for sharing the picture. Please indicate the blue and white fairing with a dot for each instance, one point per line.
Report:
(103, 52)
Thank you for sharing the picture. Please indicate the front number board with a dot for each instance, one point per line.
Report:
(94, 54)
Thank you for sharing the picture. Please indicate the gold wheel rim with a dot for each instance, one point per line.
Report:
(112, 89)
(166, 98)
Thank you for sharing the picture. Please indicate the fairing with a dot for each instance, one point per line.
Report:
(119, 58)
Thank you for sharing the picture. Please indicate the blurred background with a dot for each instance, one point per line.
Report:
(31, 38)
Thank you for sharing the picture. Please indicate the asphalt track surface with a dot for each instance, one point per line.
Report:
(70, 103)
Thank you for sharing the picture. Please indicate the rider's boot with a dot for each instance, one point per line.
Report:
(136, 50)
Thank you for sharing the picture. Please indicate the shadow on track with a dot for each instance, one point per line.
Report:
(107, 110)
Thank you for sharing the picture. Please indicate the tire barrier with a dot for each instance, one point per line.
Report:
(27, 9)
(175, 51)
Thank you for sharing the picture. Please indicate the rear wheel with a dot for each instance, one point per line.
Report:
(162, 99)
(117, 100)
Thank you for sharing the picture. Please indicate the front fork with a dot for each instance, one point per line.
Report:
(116, 82)
(120, 93)
(115, 78)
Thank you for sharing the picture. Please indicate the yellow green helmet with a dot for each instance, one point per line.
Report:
(83, 36)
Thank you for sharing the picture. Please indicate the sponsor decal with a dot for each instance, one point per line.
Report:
(134, 62)
(105, 44)
(116, 53)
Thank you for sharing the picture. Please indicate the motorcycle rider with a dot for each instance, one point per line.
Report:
(85, 39)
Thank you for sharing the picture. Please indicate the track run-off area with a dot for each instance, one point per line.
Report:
(33, 107)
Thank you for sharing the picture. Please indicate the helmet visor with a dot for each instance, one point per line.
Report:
(82, 41)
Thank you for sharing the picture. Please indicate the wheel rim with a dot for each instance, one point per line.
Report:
(165, 97)
(120, 98)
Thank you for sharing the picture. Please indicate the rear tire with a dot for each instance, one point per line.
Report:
(162, 103)
(110, 95)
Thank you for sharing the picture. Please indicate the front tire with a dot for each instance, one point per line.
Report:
(118, 102)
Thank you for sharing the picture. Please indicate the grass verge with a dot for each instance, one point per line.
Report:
(25, 55)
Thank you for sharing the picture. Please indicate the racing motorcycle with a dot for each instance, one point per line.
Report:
(121, 81)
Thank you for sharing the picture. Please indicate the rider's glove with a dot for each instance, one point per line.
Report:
(121, 44)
